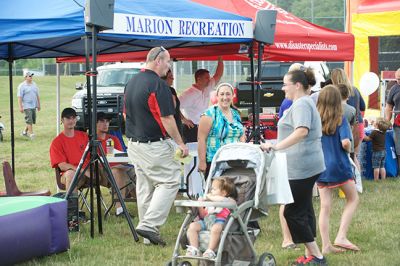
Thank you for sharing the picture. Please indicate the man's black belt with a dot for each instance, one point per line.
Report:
(147, 140)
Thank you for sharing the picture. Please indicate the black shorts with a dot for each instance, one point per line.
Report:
(190, 134)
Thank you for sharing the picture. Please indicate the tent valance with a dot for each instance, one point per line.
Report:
(54, 28)
(295, 39)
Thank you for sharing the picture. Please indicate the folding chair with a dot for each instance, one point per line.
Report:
(11, 185)
(82, 191)
(130, 192)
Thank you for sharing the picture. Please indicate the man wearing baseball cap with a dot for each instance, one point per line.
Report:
(28, 101)
(66, 150)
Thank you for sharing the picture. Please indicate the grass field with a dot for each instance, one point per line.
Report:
(375, 228)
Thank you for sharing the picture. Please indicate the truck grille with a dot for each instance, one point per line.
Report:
(106, 104)
(111, 105)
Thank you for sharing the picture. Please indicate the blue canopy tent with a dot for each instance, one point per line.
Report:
(56, 28)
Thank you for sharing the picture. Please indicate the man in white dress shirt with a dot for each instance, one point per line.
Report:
(195, 99)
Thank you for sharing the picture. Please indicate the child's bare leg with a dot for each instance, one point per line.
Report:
(383, 173)
(350, 208)
(324, 218)
(215, 235)
(193, 234)
(376, 174)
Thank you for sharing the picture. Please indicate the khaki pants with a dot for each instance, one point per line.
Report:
(157, 181)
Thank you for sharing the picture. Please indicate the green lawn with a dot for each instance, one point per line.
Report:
(375, 227)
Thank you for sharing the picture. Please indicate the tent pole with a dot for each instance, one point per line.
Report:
(93, 127)
(234, 72)
(10, 78)
(175, 72)
(253, 108)
(88, 87)
(257, 136)
(58, 120)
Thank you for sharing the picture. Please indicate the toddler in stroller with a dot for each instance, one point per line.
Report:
(211, 218)
(232, 240)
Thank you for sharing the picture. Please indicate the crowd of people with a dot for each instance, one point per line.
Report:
(319, 135)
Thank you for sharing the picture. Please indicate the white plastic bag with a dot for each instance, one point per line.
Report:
(357, 176)
(278, 188)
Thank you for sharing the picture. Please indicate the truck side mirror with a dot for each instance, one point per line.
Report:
(79, 86)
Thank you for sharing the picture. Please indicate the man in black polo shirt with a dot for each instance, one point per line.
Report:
(150, 124)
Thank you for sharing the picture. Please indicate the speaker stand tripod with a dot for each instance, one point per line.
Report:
(256, 133)
(95, 150)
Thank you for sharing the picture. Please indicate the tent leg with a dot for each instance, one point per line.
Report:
(10, 77)
(58, 97)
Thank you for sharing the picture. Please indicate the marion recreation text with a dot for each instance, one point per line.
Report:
(181, 27)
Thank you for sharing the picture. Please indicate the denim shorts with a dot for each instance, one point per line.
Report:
(378, 159)
(207, 222)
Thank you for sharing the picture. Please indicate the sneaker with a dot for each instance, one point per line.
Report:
(209, 254)
(311, 260)
(301, 259)
(24, 134)
(192, 251)
(122, 215)
(119, 211)
(154, 237)
(32, 136)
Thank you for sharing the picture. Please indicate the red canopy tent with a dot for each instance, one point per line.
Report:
(295, 39)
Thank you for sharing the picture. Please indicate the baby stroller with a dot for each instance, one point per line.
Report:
(244, 164)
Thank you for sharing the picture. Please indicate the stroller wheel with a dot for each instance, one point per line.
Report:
(266, 259)
(185, 263)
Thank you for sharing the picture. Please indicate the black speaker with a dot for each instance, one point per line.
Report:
(264, 30)
(99, 13)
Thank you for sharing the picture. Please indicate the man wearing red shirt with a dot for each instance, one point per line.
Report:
(119, 171)
(66, 150)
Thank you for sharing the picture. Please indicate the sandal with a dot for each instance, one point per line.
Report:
(192, 251)
(209, 254)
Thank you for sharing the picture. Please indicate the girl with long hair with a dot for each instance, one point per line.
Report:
(338, 76)
(336, 146)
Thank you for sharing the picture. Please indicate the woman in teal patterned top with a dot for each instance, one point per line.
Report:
(219, 125)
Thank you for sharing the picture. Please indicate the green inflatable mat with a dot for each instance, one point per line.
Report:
(10, 205)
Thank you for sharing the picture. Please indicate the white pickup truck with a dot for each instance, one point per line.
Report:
(111, 81)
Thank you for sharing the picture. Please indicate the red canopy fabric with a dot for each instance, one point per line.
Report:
(371, 6)
(295, 40)
(211, 52)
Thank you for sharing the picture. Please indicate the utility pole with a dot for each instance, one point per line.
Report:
(312, 11)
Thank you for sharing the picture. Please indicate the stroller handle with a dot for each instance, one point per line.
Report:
(193, 203)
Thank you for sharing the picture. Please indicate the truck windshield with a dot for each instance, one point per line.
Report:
(274, 70)
(117, 77)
